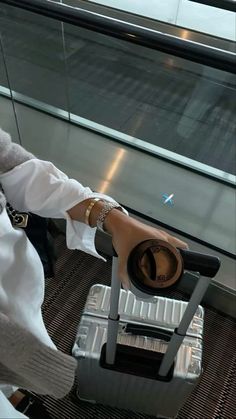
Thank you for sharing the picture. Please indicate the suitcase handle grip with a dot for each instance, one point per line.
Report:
(155, 265)
(206, 265)
(148, 331)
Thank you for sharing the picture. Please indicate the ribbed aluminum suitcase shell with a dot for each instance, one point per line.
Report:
(164, 313)
(136, 393)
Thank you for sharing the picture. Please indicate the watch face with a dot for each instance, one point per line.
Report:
(155, 265)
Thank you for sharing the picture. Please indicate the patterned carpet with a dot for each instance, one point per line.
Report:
(76, 272)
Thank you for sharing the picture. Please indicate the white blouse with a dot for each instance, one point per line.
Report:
(39, 187)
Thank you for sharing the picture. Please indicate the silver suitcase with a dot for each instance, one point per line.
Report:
(128, 391)
(148, 359)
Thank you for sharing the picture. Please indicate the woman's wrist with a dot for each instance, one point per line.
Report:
(114, 219)
(89, 211)
(78, 211)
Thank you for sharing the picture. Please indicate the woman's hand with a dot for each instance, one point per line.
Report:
(127, 233)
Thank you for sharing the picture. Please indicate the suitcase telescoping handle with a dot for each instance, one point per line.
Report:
(113, 318)
(206, 265)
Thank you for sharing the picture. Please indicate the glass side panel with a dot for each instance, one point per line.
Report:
(166, 102)
(33, 46)
(180, 106)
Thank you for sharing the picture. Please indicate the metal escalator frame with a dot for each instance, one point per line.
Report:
(130, 32)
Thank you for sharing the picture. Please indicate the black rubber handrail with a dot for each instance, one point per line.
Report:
(220, 4)
(136, 34)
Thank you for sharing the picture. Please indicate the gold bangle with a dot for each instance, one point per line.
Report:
(89, 209)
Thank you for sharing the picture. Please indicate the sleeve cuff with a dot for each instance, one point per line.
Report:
(79, 236)
(53, 371)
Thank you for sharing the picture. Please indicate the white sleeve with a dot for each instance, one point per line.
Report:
(39, 187)
(7, 409)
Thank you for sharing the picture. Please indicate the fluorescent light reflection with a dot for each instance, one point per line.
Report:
(112, 170)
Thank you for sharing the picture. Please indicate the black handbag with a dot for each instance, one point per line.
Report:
(36, 230)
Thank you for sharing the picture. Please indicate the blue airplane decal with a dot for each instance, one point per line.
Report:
(168, 199)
